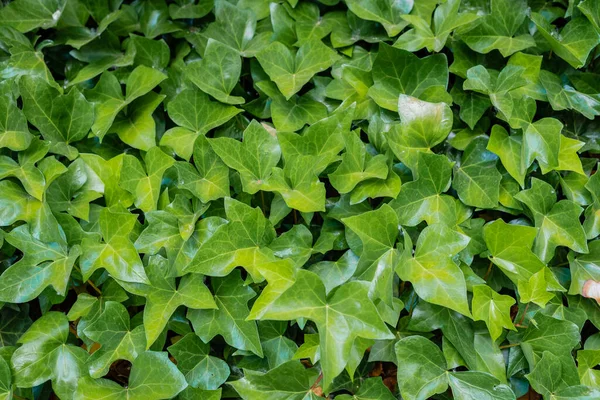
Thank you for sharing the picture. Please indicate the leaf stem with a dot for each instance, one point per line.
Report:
(89, 282)
(262, 200)
(314, 385)
(523, 315)
(561, 264)
(506, 346)
(488, 272)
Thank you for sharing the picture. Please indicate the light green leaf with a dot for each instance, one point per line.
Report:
(209, 180)
(476, 178)
(253, 158)
(508, 149)
(422, 199)
(43, 264)
(108, 98)
(377, 231)
(357, 165)
(45, 355)
(423, 125)
(136, 127)
(144, 182)
(446, 18)
(478, 385)
(558, 222)
(116, 253)
(337, 330)
(291, 69)
(493, 309)
(196, 115)
(436, 277)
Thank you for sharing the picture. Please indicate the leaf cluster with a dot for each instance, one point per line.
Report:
(284, 199)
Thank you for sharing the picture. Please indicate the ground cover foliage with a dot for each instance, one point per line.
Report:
(359, 199)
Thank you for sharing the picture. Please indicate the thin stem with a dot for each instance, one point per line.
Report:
(506, 346)
(94, 287)
(488, 272)
(73, 331)
(561, 264)
(523, 315)
(316, 382)
(262, 200)
(88, 281)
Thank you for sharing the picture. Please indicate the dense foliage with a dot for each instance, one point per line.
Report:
(257, 199)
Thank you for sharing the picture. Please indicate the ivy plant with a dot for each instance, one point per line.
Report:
(299, 199)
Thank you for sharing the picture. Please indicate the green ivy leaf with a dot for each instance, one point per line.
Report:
(42, 265)
(144, 181)
(218, 72)
(163, 296)
(115, 252)
(387, 13)
(60, 118)
(290, 380)
(291, 69)
(573, 43)
(152, 376)
(113, 332)
(196, 115)
(426, 79)
(477, 179)
(493, 309)
(231, 319)
(558, 222)
(209, 180)
(502, 29)
(423, 125)
(424, 372)
(27, 15)
(201, 370)
(436, 277)
(254, 158)
(45, 355)
(108, 98)
(377, 231)
(433, 36)
(423, 198)
(331, 314)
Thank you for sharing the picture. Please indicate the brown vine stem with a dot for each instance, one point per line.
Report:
(488, 272)
(89, 282)
(523, 315)
(316, 384)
